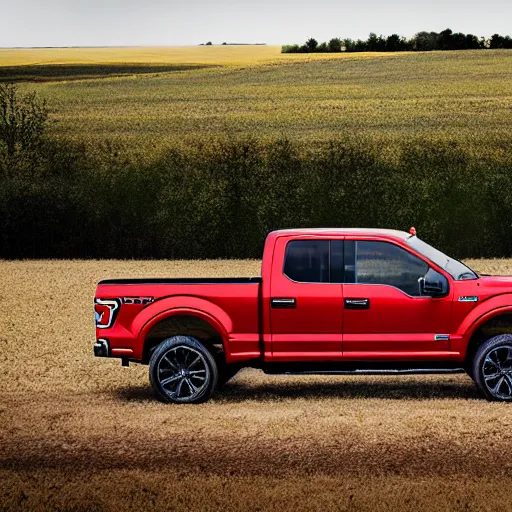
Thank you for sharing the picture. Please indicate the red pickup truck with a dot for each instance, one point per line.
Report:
(328, 301)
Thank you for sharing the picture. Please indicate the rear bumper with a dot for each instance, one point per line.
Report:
(102, 348)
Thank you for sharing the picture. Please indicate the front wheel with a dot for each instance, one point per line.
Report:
(182, 370)
(492, 368)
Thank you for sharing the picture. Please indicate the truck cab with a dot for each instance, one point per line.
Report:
(328, 301)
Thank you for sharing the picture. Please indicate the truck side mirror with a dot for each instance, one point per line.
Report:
(433, 284)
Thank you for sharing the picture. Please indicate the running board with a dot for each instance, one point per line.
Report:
(411, 371)
(362, 368)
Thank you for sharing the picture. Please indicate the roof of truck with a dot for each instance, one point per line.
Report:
(387, 233)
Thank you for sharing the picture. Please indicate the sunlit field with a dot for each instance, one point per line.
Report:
(80, 433)
(168, 96)
(234, 55)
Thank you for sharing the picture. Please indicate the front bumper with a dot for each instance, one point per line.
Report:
(102, 348)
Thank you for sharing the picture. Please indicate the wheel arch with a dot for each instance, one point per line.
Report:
(187, 316)
(486, 327)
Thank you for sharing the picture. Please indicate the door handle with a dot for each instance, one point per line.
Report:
(357, 303)
(283, 303)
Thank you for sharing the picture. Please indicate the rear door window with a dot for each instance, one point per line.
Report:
(307, 261)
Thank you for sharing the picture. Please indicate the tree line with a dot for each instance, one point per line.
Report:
(421, 42)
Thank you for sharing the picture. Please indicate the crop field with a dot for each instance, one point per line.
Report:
(151, 99)
(79, 433)
(231, 55)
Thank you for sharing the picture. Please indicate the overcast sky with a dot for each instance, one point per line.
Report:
(190, 22)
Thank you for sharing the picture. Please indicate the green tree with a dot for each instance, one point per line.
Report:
(381, 44)
(349, 45)
(22, 119)
(311, 45)
(375, 43)
(372, 42)
(496, 42)
(361, 46)
(322, 48)
(393, 43)
(472, 42)
(458, 41)
(334, 45)
(425, 41)
(445, 40)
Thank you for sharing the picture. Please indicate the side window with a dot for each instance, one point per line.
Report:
(307, 261)
(386, 263)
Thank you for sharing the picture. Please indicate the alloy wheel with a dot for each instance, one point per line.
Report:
(497, 372)
(183, 373)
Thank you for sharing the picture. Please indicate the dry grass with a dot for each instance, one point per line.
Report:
(78, 433)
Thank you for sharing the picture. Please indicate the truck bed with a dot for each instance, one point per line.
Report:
(233, 302)
(192, 280)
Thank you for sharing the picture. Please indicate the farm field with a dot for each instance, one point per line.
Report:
(173, 96)
(231, 55)
(79, 433)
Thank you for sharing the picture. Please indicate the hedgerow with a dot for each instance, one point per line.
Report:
(219, 200)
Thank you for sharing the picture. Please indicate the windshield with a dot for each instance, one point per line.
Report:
(455, 268)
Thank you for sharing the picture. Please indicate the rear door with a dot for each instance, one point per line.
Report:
(385, 314)
(306, 304)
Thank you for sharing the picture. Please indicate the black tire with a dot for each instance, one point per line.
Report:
(227, 372)
(182, 371)
(492, 368)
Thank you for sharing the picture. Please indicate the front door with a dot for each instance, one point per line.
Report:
(385, 314)
(306, 304)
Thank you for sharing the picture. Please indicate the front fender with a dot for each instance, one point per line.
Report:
(482, 313)
(181, 305)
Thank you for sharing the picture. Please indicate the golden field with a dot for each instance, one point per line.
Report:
(151, 99)
(79, 433)
(235, 55)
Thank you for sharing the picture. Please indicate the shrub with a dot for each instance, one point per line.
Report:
(290, 48)
(22, 119)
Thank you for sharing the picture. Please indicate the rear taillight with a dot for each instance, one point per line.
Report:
(105, 312)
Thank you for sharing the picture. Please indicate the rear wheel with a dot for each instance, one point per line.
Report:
(182, 370)
(492, 368)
